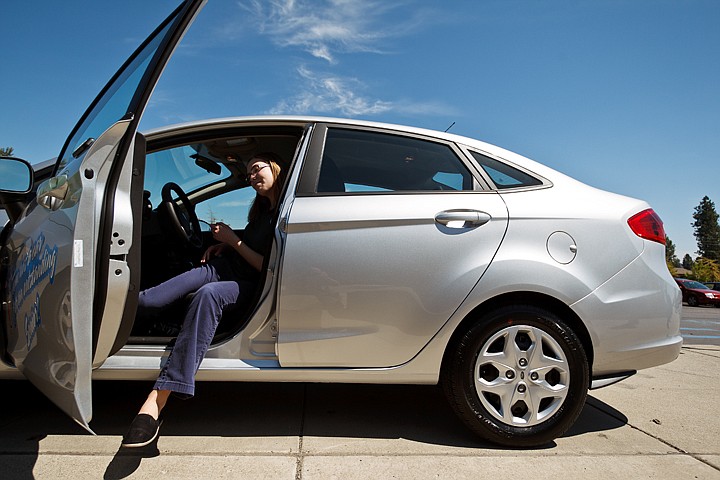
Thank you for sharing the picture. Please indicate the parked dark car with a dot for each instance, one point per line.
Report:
(712, 285)
(695, 293)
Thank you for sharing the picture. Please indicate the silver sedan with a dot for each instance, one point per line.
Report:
(400, 255)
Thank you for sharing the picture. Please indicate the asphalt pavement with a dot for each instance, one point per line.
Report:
(700, 325)
(660, 423)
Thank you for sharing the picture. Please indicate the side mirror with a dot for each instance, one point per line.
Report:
(16, 176)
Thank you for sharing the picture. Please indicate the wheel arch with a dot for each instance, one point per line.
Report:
(523, 298)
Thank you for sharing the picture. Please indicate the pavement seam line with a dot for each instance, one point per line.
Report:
(701, 351)
(678, 449)
(626, 421)
(522, 454)
(300, 459)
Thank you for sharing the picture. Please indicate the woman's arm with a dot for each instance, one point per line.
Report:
(224, 234)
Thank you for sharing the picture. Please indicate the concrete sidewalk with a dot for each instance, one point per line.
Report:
(661, 423)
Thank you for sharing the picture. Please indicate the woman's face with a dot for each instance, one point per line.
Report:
(260, 176)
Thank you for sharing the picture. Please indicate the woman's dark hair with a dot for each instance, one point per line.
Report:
(263, 203)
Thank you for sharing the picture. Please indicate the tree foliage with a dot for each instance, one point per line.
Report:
(6, 151)
(707, 229)
(706, 270)
(670, 256)
(687, 262)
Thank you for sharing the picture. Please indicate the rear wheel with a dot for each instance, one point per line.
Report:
(518, 377)
(692, 301)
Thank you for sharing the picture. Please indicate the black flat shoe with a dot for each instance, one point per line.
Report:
(143, 430)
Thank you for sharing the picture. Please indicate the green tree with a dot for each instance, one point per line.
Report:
(706, 270)
(707, 229)
(6, 151)
(670, 256)
(687, 262)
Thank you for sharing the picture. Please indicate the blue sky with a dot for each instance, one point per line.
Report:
(621, 94)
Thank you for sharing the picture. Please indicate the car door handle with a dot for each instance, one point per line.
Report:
(52, 192)
(462, 218)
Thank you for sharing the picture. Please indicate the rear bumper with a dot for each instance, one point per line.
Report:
(634, 318)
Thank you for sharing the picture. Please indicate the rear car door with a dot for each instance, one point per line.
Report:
(387, 234)
(69, 264)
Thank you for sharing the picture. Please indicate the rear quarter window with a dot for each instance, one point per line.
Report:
(504, 176)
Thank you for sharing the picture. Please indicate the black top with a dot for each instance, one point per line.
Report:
(258, 236)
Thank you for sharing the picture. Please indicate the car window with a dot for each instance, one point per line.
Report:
(503, 175)
(178, 165)
(695, 285)
(230, 207)
(114, 103)
(365, 161)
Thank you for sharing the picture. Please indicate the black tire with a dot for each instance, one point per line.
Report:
(562, 381)
(692, 301)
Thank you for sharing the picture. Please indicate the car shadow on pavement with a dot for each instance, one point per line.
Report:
(415, 413)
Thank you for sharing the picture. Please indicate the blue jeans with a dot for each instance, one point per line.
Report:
(215, 290)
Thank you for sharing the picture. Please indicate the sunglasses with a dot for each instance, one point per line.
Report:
(254, 171)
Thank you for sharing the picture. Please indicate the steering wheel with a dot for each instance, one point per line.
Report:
(182, 215)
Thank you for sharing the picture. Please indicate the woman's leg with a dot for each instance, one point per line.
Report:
(155, 402)
(178, 373)
(197, 331)
(172, 290)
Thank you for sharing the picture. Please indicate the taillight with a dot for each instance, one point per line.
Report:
(647, 224)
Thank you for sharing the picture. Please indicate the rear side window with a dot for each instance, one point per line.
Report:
(505, 176)
(363, 161)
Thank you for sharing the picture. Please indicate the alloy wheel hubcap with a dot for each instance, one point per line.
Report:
(522, 376)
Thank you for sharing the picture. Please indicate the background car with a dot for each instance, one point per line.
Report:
(712, 285)
(695, 293)
(400, 255)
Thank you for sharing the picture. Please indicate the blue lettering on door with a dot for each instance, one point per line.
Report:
(32, 322)
(36, 264)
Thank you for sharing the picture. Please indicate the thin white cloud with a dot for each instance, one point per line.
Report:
(235, 204)
(333, 94)
(329, 27)
(329, 94)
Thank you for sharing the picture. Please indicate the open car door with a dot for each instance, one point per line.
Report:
(69, 265)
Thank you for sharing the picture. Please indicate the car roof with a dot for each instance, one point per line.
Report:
(299, 120)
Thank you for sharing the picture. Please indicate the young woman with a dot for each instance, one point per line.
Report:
(228, 275)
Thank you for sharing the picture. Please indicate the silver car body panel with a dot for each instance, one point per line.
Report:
(368, 280)
(53, 344)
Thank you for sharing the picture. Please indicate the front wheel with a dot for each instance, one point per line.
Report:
(518, 377)
(692, 301)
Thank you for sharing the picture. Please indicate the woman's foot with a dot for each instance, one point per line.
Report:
(143, 431)
(145, 426)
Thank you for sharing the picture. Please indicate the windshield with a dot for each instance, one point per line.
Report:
(696, 285)
(216, 197)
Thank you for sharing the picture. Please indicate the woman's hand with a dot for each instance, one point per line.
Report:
(213, 251)
(224, 234)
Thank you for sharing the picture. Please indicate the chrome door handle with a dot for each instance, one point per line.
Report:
(52, 192)
(462, 218)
